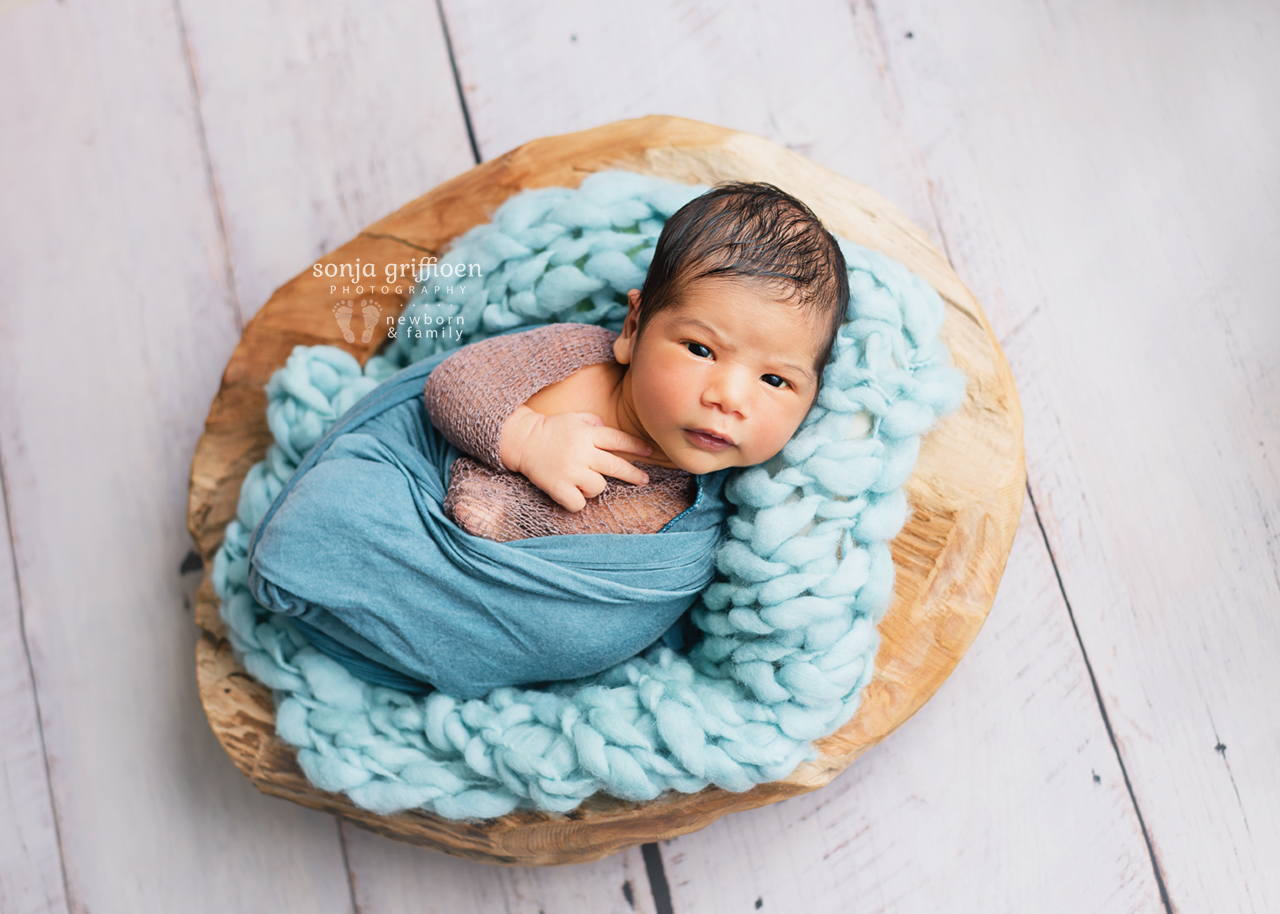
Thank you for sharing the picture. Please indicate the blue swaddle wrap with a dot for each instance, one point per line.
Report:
(357, 547)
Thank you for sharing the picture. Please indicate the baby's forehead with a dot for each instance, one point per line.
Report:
(736, 300)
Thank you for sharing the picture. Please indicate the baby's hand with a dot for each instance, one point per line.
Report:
(567, 455)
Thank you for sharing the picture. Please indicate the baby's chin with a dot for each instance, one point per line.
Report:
(699, 462)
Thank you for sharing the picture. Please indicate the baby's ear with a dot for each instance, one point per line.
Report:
(624, 346)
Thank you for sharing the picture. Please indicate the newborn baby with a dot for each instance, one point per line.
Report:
(415, 567)
(718, 362)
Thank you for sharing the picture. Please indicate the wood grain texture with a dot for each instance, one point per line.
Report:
(31, 879)
(320, 116)
(730, 64)
(1107, 178)
(115, 322)
(967, 488)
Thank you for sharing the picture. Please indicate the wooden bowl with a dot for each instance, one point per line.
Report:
(966, 491)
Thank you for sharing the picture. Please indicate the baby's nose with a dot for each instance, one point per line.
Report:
(729, 390)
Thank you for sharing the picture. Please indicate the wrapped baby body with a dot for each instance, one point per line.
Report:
(471, 394)
(360, 547)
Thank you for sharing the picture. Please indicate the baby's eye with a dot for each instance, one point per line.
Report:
(698, 349)
(773, 380)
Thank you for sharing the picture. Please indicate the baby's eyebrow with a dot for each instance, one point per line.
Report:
(697, 323)
(801, 370)
(806, 373)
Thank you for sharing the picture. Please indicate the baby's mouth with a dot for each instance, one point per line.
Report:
(707, 440)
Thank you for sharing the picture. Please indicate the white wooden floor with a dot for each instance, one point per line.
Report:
(1106, 178)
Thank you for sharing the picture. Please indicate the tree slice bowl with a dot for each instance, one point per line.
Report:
(966, 492)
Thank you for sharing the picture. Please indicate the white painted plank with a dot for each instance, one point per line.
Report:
(1108, 177)
(321, 118)
(1020, 732)
(1003, 794)
(536, 70)
(30, 859)
(115, 324)
(391, 877)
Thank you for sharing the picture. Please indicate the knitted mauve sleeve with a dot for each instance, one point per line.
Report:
(471, 394)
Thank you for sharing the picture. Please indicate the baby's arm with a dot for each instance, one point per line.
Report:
(476, 399)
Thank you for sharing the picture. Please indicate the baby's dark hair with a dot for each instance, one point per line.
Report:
(750, 232)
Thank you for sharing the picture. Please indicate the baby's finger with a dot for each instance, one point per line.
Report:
(568, 497)
(593, 485)
(611, 465)
(613, 439)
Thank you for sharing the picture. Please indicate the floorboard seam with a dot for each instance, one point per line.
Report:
(346, 864)
(211, 184)
(457, 82)
(1102, 708)
(659, 888)
(35, 692)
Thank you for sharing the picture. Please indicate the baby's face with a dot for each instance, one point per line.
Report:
(724, 379)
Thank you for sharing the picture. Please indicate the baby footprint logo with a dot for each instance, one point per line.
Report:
(342, 312)
(371, 310)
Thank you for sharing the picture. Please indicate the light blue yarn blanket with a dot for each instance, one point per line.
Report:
(804, 572)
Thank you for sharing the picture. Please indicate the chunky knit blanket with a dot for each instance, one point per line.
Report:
(789, 627)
